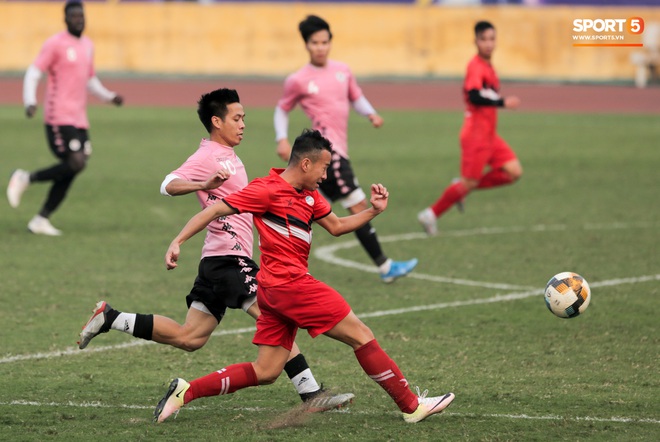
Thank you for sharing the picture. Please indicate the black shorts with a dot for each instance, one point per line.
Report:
(224, 282)
(66, 139)
(341, 180)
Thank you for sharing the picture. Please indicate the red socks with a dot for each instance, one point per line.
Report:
(452, 194)
(457, 191)
(374, 361)
(378, 365)
(225, 381)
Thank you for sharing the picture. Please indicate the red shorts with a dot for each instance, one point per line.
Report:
(477, 152)
(304, 303)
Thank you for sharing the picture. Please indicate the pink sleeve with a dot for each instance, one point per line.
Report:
(291, 95)
(46, 56)
(92, 72)
(253, 198)
(473, 78)
(193, 169)
(354, 91)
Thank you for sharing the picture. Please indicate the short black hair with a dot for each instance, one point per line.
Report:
(481, 26)
(312, 24)
(214, 104)
(309, 144)
(72, 4)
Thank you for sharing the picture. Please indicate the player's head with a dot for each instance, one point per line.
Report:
(74, 17)
(222, 114)
(484, 38)
(318, 38)
(311, 153)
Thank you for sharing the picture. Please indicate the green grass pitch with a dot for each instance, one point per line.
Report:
(471, 320)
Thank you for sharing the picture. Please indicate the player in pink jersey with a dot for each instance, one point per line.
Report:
(284, 205)
(326, 89)
(67, 58)
(480, 144)
(227, 276)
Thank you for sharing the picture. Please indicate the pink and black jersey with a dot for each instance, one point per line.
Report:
(229, 235)
(283, 217)
(481, 76)
(68, 61)
(325, 94)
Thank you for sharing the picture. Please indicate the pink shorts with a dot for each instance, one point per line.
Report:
(304, 303)
(479, 152)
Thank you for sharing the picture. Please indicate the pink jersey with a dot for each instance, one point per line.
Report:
(325, 94)
(68, 61)
(283, 217)
(229, 235)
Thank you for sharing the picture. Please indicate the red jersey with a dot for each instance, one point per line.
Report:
(481, 76)
(283, 217)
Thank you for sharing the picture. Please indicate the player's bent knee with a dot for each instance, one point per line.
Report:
(267, 377)
(191, 345)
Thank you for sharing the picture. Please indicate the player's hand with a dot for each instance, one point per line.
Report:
(217, 179)
(118, 100)
(511, 102)
(172, 256)
(30, 111)
(379, 196)
(284, 149)
(376, 120)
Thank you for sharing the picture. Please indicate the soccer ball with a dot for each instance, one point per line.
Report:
(567, 295)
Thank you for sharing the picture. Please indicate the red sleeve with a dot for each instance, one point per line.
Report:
(253, 198)
(474, 77)
(321, 206)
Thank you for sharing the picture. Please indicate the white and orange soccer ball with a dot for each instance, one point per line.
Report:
(567, 295)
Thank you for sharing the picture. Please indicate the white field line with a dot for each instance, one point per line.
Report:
(73, 351)
(327, 253)
(501, 298)
(613, 419)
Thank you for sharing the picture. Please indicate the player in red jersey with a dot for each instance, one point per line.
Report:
(481, 146)
(284, 205)
(68, 59)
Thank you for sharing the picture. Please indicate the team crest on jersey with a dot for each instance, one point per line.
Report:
(340, 76)
(71, 54)
(309, 200)
(312, 88)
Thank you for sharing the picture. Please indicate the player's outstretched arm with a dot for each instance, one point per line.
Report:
(195, 225)
(95, 86)
(174, 186)
(337, 226)
(363, 107)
